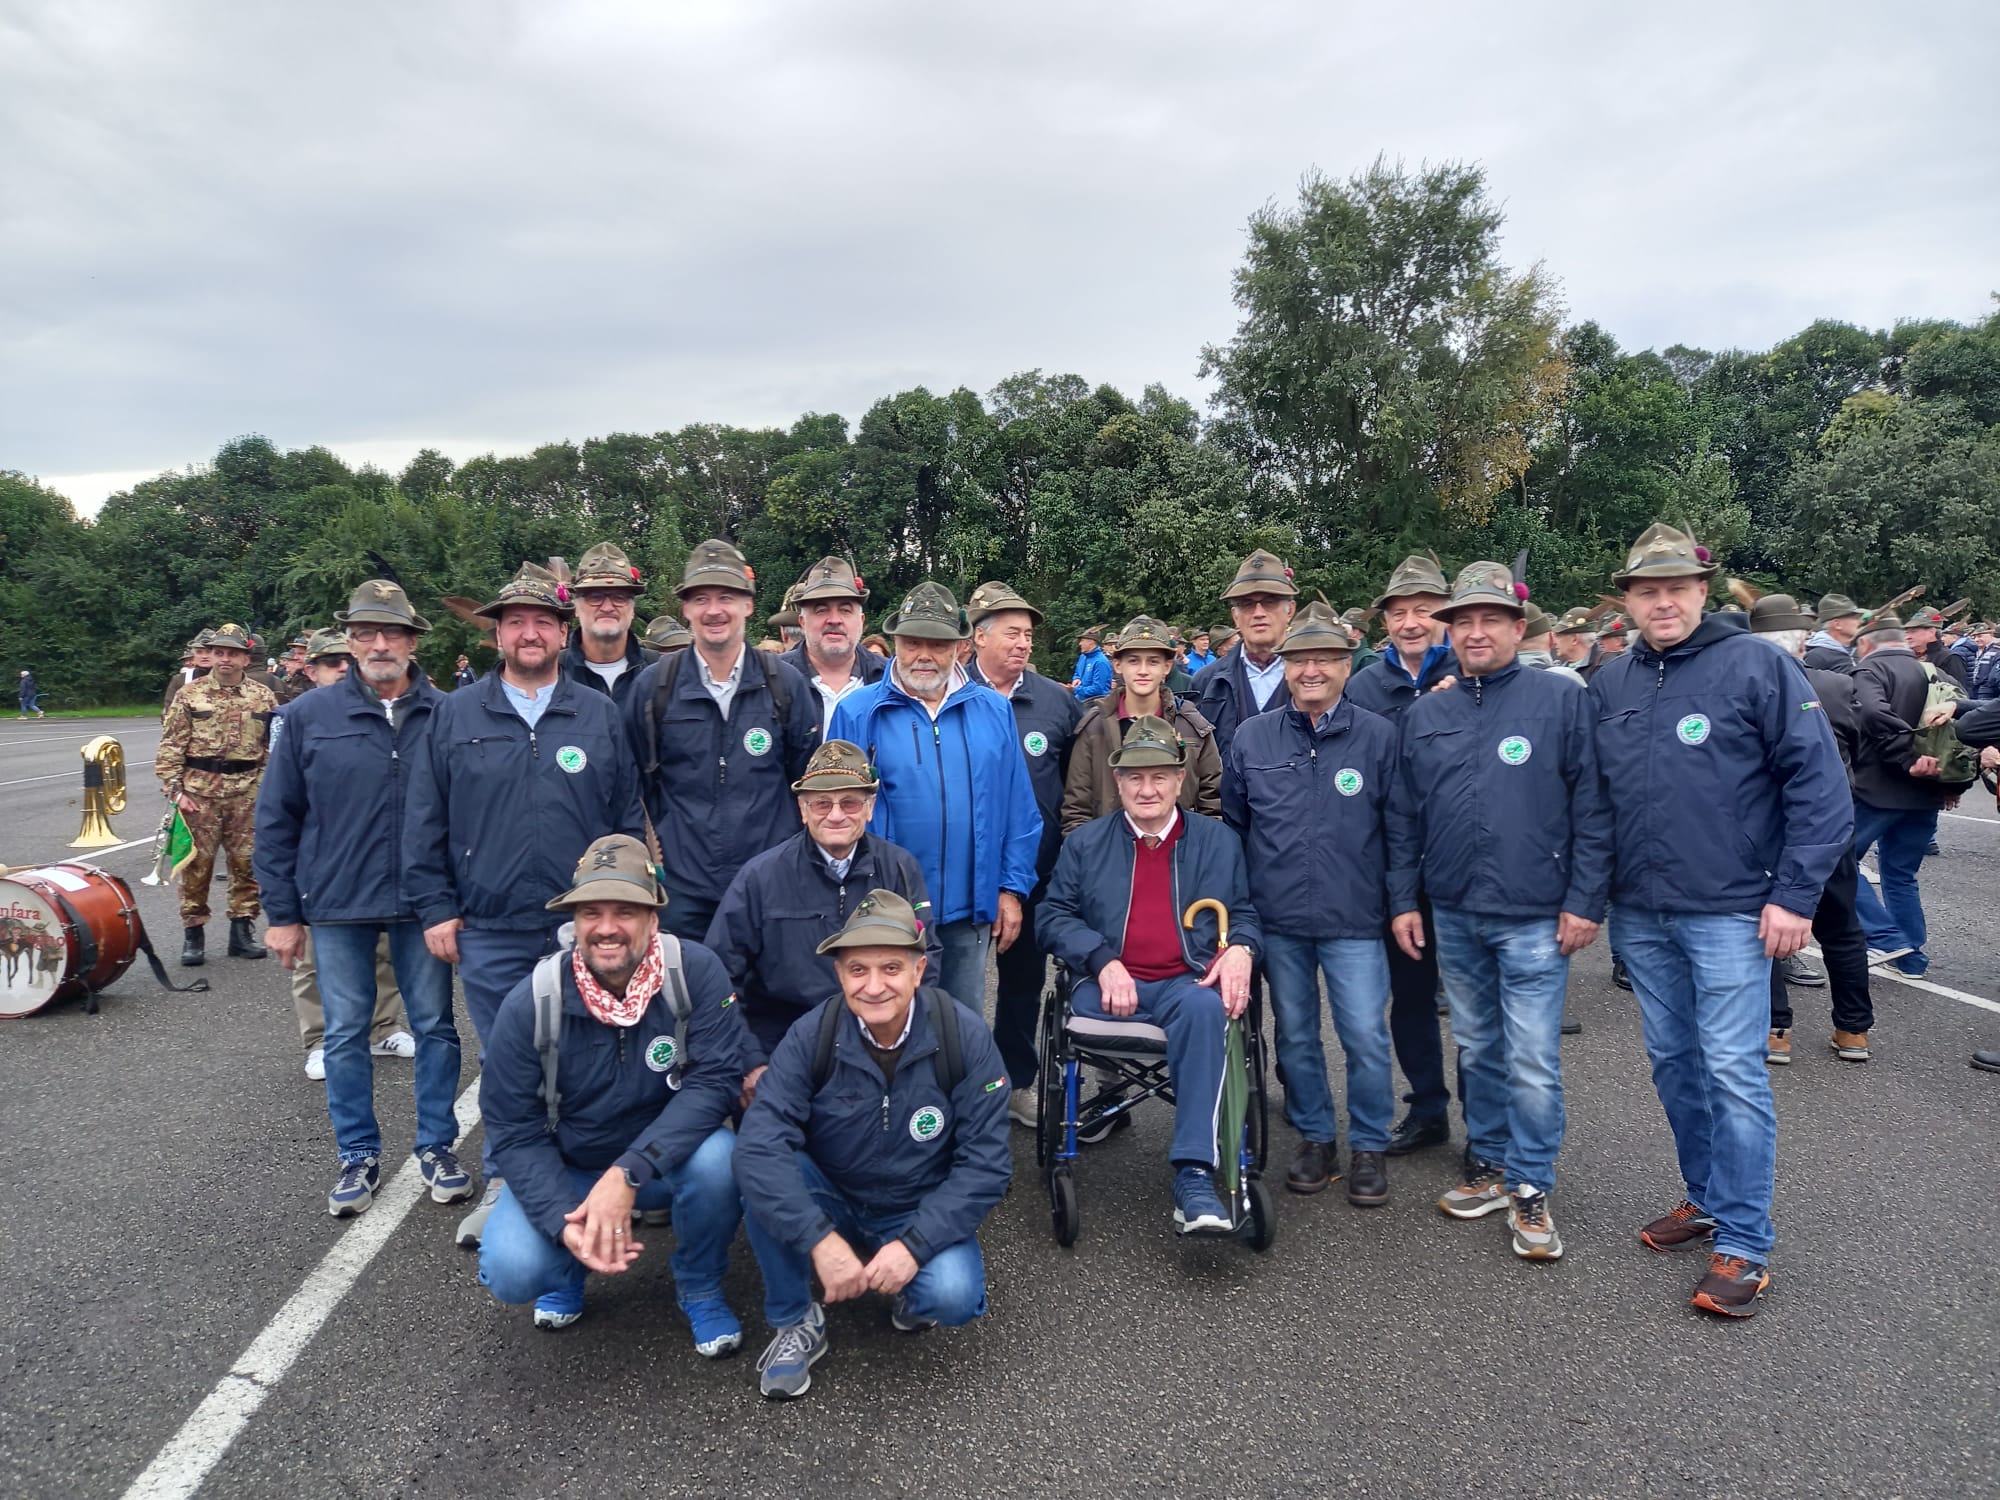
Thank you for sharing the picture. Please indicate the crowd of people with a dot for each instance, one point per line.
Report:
(723, 917)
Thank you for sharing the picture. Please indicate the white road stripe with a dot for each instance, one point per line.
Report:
(1972, 818)
(1887, 971)
(59, 739)
(58, 776)
(192, 1453)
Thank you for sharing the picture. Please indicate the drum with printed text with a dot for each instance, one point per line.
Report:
(65, 930)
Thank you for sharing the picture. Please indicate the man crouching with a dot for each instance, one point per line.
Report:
(638, 1034)
(874, 1148)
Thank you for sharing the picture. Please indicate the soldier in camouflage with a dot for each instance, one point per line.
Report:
(213, 745)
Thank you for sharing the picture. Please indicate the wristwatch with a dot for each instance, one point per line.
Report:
(631, 1180)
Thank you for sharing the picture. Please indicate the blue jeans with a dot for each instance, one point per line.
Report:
(1197, 1041)
(962, 965)
(1506, 979)
(491, 961)
(518, 1263)
(1704, 990)
(1357, 989)
(950, 1286)
(344, 954)
(1896, 917)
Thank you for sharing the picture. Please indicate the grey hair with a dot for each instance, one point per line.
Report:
(1888, 638)
(1791, 642)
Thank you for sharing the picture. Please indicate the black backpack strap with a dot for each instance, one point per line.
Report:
(829, 1028)
(951, 1050)
(663, 689)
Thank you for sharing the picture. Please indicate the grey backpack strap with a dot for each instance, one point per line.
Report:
(548, 1028)
(674, 987)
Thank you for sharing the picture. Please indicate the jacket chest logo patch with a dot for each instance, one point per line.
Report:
(660, 1054)
(1693, 729)
(572, 759)
(757, 741)
(1516, 749)
(1347, 781)
(1035, 742)
(927, 1124)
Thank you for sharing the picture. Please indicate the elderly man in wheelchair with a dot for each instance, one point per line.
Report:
(1113, 916)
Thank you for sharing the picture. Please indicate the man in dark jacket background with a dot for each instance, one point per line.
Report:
(1830, 648)
(1897, 794)
(882, 1155)
(830, 601)
(330, 854)
(1113, 915)
(1921, 630)
(1729, 815)
(605, 652)
(1312, 788)
(1249, 678)
(1512, 839)
(1418, 660)
(620, 1136)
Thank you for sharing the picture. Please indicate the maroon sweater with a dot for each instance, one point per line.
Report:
(1152, 926)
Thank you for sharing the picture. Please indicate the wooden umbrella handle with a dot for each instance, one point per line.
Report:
(1221, 919)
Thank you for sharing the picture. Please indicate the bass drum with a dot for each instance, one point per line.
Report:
(65, 930)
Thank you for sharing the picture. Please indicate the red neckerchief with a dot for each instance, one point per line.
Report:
(625, 1009)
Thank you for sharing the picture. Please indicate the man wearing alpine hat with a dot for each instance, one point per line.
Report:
(1113, 916)
(1248, 678)
(1700, 729)
(605, 652)
(522, 770)
(875, 1148)
(831, 601)
(720, 732)
(647, 1055)
(1512, 841)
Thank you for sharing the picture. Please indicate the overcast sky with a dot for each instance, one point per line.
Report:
(476, 226)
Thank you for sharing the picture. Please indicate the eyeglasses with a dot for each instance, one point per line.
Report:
(602, 596)
(819, 807)
(366, 633)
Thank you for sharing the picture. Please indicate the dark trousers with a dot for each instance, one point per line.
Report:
(1413, 1021)
(1844, 947)
(1023, 971)
(687, 917)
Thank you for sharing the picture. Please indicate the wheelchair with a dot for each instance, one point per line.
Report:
(1095, 1071)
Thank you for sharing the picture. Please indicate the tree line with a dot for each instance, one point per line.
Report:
(1391, 387)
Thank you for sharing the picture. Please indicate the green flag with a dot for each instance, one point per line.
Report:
(180, 845)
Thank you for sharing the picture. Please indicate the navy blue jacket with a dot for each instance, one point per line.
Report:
(330, 807)
(616, 1107)
(1315, 808)
(723, 791)
(1727, 791)
(867, 665)
(781, 906)
(1986, 673)
(576, 667)
(1385, 686)
(1223, 697)
(865, 1138)
(1082, 918)
(1047, 718)
(499, 813)
(1511, 815)
(955, 791)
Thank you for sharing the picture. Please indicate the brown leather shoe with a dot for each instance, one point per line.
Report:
(1778, 1048)
(1314, 1167)
(1686, 1228)
(1851, 1045)
(1367, 1179)
(1731, 1287)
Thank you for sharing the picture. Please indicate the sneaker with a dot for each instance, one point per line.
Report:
(1021, 1107)
(555, 1310)
(717, 1334)
(1986, 1062)
(1535, 1236)
(1731, 1287)
(1196, 1208)
(1851, 1045)
(1484, 1191)
(356, 1188)
(1683, 1229)
(1801, 973)
(784, 1369)
(1778, 1048)
(1100, 1131)
(473, 1225)
(316, 1065)
(447, 1180)
(1879, 956)
(901, 1320)
(395, 1044)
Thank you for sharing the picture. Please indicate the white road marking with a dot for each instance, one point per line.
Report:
(1888, 972)
(71, 856)
(60, 739)
(1972, 818)
(58, 776)
(192, 1453)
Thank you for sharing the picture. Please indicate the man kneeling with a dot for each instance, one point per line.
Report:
(1113, 916)
(647, 1059)
(883, 1137)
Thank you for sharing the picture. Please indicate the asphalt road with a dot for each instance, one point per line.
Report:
(161, 1197)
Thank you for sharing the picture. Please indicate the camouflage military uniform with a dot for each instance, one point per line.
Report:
(213, 745)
